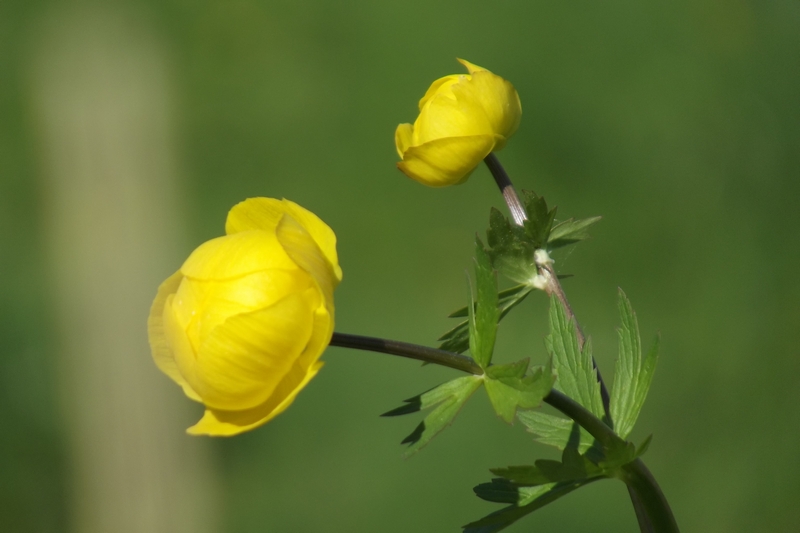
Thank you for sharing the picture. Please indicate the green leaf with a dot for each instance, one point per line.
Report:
(483, 320)
(569, 232)
(554, 430)
(511, 387)
(572, 467)
(498, 490)
(531, 487)
(448, 398)
(457, 339)
(506, 299)
(576, 376)
(633, 374)
(532, 499)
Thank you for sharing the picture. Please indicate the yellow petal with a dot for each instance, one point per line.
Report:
(202, 305)
(305, 252)
(244, 358)
(440, 86)
(236, 255)
(227, 423)
(402, 138)
(471, 67)
(320, 338)
(159, 345)
(182, 351)
(444, 116)
(322, 234)
(496, 97)
(446, 161)
(265, 213)
(254, 213)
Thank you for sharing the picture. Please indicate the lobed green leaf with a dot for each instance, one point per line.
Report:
(633, 373)
(505, 299)
(457, 339)
(569, 232)
(510, 387)
(528, 500)
(485, 314)
(554, 430)
(448, 398)
(576, 375)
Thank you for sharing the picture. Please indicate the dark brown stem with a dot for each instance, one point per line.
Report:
(411, 351)
(506, 188)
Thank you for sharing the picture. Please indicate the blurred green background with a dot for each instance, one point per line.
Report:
(145, 121)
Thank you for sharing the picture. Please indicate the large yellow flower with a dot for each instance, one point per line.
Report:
(242, 324)
(462, 118)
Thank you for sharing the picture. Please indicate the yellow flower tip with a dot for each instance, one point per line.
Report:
(241, 326)
(471, 67)
(462, 119)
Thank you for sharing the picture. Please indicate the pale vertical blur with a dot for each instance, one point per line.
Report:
(103, 103)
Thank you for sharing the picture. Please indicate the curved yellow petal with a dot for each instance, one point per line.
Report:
(159, 344)
(320, 338)
(322, 234)
(265, 214)
(304, 251)
(182, 350)
(402, 138)
(471, 67)
(243, 359)
(202, 305)
(254, 213)
(445, 116)
(496, 97)
(218, 423)
(235, 255)
(447, 161)
(440, 86)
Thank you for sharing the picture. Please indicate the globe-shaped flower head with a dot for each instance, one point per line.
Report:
(462, 119)
(241, 326)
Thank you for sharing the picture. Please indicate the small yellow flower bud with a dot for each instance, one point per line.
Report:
(241, 326)
(462, 119)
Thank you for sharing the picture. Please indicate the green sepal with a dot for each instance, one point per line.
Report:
(574, 368)
(457, 339)
(511, 387)
(569, 232)
(540, 218)
(510, 249)
(448, 398)
(633, 373)
(644, 446)
(484, 314)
